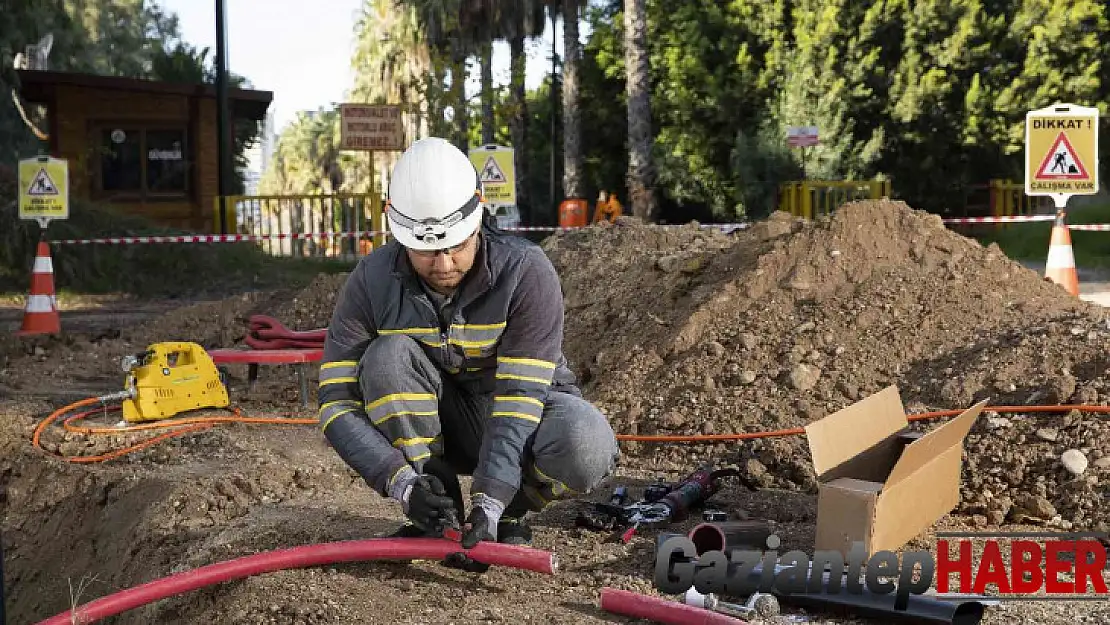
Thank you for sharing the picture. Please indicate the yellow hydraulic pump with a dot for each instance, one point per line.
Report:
(170, 378)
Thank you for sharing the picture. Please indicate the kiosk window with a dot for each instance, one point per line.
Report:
(143, 162)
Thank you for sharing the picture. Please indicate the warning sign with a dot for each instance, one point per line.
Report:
(492, 173)
(43, 189)
(495, 169)
(41, 184)
(1061, 151)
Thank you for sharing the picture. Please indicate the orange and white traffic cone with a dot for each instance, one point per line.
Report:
(1060, 266)
(40, 315)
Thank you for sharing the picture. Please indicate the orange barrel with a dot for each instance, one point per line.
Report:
(573, 213)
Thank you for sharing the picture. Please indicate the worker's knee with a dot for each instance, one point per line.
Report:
(395, 364)
(574, 446)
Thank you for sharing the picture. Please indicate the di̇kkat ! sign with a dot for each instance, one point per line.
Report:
(371, 127)
(1061, 151)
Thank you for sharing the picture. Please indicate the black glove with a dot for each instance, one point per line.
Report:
(428, 505)
(476, 528)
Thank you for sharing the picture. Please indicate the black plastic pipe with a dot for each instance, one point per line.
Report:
(3, 619)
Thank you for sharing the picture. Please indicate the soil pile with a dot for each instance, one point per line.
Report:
(690, 332)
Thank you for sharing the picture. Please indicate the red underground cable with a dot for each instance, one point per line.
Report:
(495, 554)
(660, 610)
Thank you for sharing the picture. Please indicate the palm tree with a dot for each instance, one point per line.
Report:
(638, 80)
(572, 140)
(521, 19)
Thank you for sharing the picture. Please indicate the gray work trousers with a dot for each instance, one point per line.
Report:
(426, 414)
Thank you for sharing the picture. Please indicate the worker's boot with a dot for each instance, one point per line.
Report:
(513, 529)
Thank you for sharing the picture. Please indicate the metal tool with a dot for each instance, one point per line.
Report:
(694, 490)
(168, 379)
(656, 490)
(761, 605)
(714, 516)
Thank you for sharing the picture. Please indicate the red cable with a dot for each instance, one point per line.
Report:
(496, 554)
(660, 610)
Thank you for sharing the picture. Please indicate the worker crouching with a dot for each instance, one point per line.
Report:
(444, 357)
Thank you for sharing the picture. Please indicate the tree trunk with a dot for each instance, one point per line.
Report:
(488, 122)
(458, 97)
(572, 141)
(518, 123)
(640, 169)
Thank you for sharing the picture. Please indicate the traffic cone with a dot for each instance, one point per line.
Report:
(1060, 266)
(40, 316)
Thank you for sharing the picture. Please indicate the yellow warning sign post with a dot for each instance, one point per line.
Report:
(1061, 152)
(43, 189)
(495, 169)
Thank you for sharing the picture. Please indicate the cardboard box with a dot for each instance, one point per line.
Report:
(878, 486)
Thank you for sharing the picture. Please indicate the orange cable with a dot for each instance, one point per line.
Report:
(188, 425)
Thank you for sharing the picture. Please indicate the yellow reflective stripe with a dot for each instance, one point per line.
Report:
(524, 378)
(326, 381)
(479, 326)
(517, 415)
(339, 363)
(523, 398)
(389, 482)
(401, 413)
(422, 456)
(378, 403)
(547, 478)
(463, 343)
(417, 440)
(338, 413)
(530, 362)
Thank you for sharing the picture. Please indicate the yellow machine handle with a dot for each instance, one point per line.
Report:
(173, 354)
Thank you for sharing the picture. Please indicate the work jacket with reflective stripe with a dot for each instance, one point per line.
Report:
(505, 336)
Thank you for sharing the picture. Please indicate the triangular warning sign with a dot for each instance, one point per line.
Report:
(491, 172)
(42, 184)
(1061, 162)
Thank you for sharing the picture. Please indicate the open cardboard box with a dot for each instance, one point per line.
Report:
(876, 489)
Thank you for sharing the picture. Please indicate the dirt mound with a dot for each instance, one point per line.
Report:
(689, 332)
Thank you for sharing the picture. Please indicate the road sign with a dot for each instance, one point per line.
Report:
(497, 173)
(370, 127)
(1061, 152)
(802, 136)
(43, 189)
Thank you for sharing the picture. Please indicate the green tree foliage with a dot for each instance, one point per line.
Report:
(131, 38)
(931, 94)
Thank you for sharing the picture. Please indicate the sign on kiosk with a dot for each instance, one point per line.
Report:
(43, 189)
(1061, 152)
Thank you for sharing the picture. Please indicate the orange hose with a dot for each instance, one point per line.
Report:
(186, 425)
(189, 425)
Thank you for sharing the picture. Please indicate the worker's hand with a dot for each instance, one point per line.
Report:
(427, 504)
(481, 524)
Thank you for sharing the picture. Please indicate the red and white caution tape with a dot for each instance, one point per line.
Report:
(211, 238)
(239, 238)
(1090, 227)
(998, 220)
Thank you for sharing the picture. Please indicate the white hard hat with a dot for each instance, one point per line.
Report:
(435, 196)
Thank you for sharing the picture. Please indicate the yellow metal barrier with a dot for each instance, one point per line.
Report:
(1008, 199)
(276, 217)
(812, 198)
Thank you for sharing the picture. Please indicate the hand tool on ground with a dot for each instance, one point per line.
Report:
(690, 492)
(693, 490)
(760, 605)
(168, 379)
